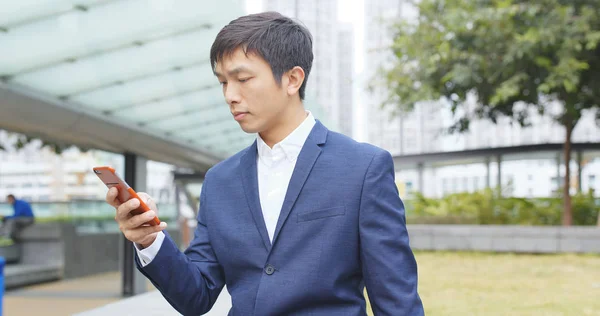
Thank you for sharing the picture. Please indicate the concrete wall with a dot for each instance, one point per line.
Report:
(87, 254)
(42, 244)
(503, 238)
(75, 254)
(41, 257)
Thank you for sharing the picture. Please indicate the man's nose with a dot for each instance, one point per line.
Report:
(232, 94)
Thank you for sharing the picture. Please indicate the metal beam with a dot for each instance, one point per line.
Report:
(37, 115)
(479, 155)
(133, 282)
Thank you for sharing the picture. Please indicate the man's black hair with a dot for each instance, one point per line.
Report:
(10, 196)
(279, 40)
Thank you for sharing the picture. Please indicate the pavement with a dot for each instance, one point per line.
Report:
(65, 297)
(93, 296)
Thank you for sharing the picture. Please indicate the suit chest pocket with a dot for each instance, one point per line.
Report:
(322, 213)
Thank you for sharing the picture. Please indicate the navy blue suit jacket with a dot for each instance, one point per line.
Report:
(342, 227)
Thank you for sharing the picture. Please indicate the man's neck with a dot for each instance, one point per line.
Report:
(287, 124)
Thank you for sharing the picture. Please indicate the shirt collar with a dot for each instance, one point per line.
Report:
(290, 146)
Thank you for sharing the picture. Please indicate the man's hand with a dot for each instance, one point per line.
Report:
(134, 227)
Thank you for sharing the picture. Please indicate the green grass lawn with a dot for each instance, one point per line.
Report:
(452, 283)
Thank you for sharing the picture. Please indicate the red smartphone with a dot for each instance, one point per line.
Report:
(126, 193)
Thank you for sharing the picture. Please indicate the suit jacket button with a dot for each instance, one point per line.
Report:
(269, 269)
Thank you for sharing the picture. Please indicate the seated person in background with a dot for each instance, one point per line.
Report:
(22, 217)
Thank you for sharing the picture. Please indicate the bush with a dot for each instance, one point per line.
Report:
(486, 208)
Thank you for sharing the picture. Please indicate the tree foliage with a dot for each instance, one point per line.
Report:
(511, 55)
(20, 141)
(505, 52)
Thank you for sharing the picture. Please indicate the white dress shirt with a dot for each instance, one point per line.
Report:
(274, 168)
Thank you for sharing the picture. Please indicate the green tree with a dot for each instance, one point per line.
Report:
(19, 141)
(513, 56)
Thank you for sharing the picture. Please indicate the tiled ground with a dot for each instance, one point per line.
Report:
(64, 297)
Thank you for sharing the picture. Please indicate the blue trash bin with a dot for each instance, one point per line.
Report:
(2, 263)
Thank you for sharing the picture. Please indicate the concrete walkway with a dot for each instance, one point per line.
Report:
(93, 296)
(154, 304)
(64, 297)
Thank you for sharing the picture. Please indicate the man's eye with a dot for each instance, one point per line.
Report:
(223, 82)
(244, 80)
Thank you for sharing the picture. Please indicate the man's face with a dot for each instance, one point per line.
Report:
(254, 97)
(10, 200)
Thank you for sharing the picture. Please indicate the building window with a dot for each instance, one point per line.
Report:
(409, 186)
(554, 183)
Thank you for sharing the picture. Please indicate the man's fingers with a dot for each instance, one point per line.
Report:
(138, 234)
(111, 197)
(148, 200)
(139, 220)
(124, 209)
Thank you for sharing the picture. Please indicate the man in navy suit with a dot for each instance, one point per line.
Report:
(299, 222)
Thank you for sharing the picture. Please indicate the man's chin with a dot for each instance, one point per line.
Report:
(247, 128)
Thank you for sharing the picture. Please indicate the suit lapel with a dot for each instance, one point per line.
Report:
(306, 160)
(250, 182)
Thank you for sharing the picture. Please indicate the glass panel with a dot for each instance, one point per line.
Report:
(156, 110)
(157, 58)
(81, 33)
(150, 88)
(149, 64)
(230, 142)
(200, 117)
(203, 133)
(21, 11)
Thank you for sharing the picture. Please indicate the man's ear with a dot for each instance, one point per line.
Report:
(295, 80)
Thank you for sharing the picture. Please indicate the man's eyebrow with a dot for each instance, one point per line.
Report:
(234, 71)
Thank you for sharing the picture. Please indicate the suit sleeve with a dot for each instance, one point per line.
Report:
(189, 281)
(388, 263)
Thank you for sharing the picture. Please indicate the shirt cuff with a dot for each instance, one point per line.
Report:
(146, 255)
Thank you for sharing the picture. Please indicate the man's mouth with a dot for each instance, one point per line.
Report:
(239, 115)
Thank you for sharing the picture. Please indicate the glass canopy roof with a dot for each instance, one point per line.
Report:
(142, 63)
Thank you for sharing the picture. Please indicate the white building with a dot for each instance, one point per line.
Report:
(320, 17)
(345, 77)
